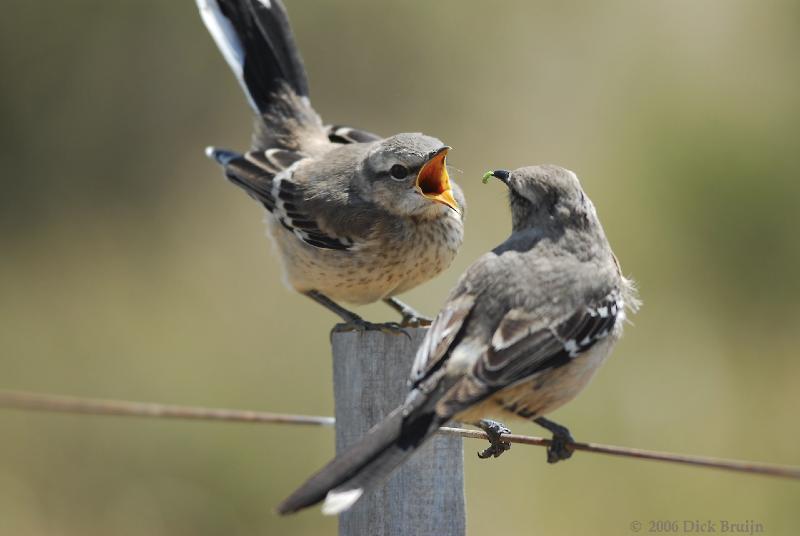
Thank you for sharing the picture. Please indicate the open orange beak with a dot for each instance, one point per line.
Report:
(433, 181)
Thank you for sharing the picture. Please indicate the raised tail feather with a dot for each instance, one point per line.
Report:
(256, 40)
(364, 465)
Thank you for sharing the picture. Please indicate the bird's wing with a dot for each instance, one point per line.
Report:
(267, 177)
(478, 351)
(441, 336)
(524, 343)
(344, 134)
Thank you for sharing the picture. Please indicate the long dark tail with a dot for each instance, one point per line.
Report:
(255, 38)
(365, 465)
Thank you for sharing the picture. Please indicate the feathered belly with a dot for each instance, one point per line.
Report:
(369, 271)
(543, 392)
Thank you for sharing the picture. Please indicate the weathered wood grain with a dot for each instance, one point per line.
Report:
(426, 495)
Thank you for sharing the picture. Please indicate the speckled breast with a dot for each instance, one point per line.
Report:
(374, 269)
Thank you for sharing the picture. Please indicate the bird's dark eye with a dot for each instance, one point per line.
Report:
(398, 171)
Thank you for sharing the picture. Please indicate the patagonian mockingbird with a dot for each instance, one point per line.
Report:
(522, 333)
(355, 217)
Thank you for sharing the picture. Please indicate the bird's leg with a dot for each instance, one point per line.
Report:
(560, 447)
(497, 445)
(410, 315)
(353, 322)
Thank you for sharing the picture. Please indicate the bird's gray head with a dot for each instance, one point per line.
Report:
(544, 196)
(407, 175)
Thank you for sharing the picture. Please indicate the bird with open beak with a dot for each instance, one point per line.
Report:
(356, 217)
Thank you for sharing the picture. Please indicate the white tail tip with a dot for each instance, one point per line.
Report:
(337, 502)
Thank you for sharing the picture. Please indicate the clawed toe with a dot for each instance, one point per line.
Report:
(560, 448)
(494, 450)
(497, 445)
(416, 321)
(361, 325)
(392, 328)
(411, 318)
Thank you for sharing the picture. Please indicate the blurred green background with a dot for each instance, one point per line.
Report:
(130, 269)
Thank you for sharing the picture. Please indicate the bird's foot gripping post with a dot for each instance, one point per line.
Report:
(353, 322)
(360, 325)
(411, 317)
(425, 496)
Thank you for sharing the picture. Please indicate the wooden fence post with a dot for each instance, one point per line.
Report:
(425, 497)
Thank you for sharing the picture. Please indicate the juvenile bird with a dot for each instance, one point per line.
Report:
(521, 334)
(355, 217)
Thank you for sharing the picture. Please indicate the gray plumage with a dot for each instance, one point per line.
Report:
(521, 334)
(355, 217)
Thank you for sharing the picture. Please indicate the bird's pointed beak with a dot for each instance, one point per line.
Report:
(501, 174)
(433, 182)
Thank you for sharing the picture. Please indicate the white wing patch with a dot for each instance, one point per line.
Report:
(572, 348)
(602, 321)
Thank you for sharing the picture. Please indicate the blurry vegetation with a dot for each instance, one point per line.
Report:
(130, 269)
